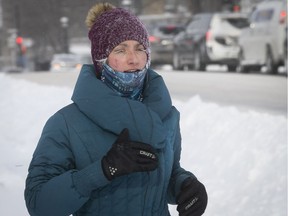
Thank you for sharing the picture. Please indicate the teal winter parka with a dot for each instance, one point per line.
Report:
(65, 175)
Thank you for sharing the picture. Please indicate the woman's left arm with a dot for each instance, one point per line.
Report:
(178, 173)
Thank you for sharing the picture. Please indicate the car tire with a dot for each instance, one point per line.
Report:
(243, 69)
(198, 63)
(176, 61)
(232, 68)
(240, 67)
(271, 67)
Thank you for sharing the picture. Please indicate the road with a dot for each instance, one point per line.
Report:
(259, 92)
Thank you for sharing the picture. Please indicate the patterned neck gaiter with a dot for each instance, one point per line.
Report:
(129, 84)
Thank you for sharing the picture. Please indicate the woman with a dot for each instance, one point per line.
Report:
(116, 149)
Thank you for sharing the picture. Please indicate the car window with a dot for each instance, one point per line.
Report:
(199, 23)
(263, 15)
(169, 30)
(238, 22)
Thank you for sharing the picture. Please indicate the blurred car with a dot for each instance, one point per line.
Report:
(161, 41)
(42, 57)
(68, 62)
(262, 43)
(286, 49)
(209, 39)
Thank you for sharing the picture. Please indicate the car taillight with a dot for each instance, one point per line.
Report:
(153, 39)
(56, 66)
(208, 35)
(282, 17)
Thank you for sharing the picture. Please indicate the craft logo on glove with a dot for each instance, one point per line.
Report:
(191, 203)
(147, 154)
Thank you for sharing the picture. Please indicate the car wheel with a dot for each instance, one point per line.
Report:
(271, 67)
(240, 67)
(232, 68)
(198, 64)
(243, 69)
(176, 61)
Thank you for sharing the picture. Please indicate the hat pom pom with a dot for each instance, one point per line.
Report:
(96, 11)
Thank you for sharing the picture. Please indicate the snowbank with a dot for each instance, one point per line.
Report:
(241, 157)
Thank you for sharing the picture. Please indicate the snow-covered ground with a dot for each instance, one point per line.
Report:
(241, 157)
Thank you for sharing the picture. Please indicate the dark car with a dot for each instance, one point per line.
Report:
(286, 50)
(161, 41)
(209, 39)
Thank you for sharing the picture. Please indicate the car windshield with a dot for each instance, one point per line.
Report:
(263, 15)
(199, 23)
(167, 30)
(170, 29)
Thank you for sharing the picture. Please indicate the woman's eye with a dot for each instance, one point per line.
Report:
(141, 50)
(119, 51)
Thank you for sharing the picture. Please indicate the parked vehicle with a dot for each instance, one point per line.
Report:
(209, 39)
(68, 62)
(161, 41)
(262, 43)
(162, 28)
(42, 57)
(286, 49)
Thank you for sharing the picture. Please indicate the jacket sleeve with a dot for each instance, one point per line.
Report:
(53, 185)
(178, 173)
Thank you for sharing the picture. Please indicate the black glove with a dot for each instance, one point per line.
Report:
(127, 156)
(192, 200)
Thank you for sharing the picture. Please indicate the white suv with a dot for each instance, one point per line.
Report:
(262, 43)
(209, 39)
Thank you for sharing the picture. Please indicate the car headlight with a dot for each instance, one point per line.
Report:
(166, 42)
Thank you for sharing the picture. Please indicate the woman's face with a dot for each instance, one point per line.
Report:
(128, 56)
